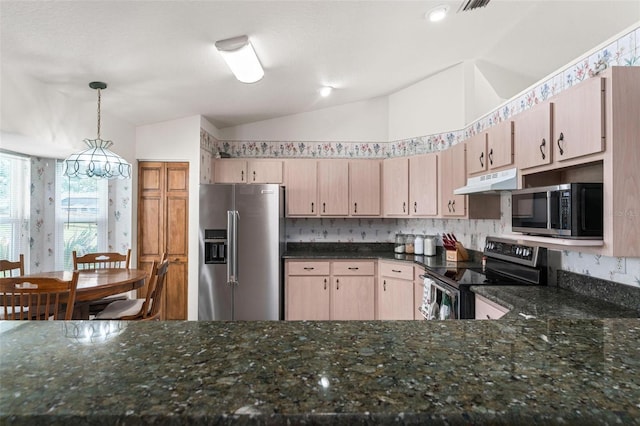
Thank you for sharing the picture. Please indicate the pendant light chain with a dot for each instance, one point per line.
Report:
(99, 113)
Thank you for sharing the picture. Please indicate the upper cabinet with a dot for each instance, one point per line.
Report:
(395, 186)
(333, 187)
(364, 187)
(533, 136)
(490, 150)
(233, 170)
(453, 175)
(301, 180)
(410, 186)
(566, 130)
(578, 120)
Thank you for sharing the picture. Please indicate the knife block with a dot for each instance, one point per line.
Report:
(458, 255)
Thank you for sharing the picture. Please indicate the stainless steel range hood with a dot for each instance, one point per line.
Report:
(505, 180)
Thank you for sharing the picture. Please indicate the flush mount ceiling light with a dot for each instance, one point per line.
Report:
(326, 91)
(241, 58)
(97, 161)
(437, 13)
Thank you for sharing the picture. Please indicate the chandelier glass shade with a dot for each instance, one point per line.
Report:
(97, 161)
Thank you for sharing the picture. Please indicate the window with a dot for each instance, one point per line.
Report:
(15, 176)
(81, 216)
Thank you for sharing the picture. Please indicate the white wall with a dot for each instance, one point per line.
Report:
(433, 105)
(177, 140)
(480, 97)
(364, 121)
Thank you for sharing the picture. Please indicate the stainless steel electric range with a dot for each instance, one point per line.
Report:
(505, 262)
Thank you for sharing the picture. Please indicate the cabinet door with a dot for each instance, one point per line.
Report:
(352, 298)
(423, 185)
(264, 171)
(364, 188)
(532, 135)
(229, 171)
(453, 176)
(500, 145)
(176, 239)
(302, 188)
(333, 187)
(578, 122)
(395, 299)
(307, 298)
(395, 186)
(477, 154)
(486, 309)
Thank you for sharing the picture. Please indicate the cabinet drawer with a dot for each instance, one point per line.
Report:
(357, 267)
(307, 268)
(487, 309)
(396, 270)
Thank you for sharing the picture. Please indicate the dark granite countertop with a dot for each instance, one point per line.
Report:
(555, 371)
(550, 302)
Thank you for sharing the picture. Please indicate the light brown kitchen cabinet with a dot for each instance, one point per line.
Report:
(487, 309)
(301, 180)
(491, 150)
(264, 171)
(423, 185)
(353, 290)
(364, 188)
(578, 120)
(477, 154)
(163, 212)
(232, 170)
(418, 291)
(533, 137)
(453, 175)
(307, 290)
(333, 187)
(395, 291)
(329, 290)
(229, 170)
(395, 186)
(410, 186)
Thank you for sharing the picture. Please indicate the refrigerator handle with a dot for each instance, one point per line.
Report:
(236, 218)
(231, 246)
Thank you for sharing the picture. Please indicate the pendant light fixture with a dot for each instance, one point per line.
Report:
(97, 161)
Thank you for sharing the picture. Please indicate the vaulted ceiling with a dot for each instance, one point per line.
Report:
(160, 63)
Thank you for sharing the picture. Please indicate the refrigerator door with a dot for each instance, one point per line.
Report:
(260, 225)
(214, 294)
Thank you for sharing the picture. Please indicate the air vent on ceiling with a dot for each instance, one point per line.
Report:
(472, 4)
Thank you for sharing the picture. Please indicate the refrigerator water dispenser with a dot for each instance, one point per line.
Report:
(215, 246)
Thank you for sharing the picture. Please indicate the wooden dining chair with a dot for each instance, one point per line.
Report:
(101, 260)
(10, 269)
(37, 298)
(148, 308)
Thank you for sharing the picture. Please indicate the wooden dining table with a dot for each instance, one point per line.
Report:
(94, 284)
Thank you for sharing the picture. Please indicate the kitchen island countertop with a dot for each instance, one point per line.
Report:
(556, 371)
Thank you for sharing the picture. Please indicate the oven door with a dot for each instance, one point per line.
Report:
(444, 300)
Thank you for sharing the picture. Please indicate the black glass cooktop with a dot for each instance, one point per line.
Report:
(474, 276)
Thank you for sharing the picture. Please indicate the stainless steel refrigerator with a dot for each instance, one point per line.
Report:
(241, 245)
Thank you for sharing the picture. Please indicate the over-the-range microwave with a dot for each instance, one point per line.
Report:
(572, 210)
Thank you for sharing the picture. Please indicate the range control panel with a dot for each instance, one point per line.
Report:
(512, 251)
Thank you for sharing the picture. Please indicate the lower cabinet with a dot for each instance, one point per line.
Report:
(487, 309)
(329, 290)
(395, 291)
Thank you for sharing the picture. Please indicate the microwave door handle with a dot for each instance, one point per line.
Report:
(549, 209)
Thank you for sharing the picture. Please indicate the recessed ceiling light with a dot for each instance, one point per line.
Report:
(326, 91)
(437, 13)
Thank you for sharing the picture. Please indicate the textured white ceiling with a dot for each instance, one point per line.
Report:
(159, 61)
